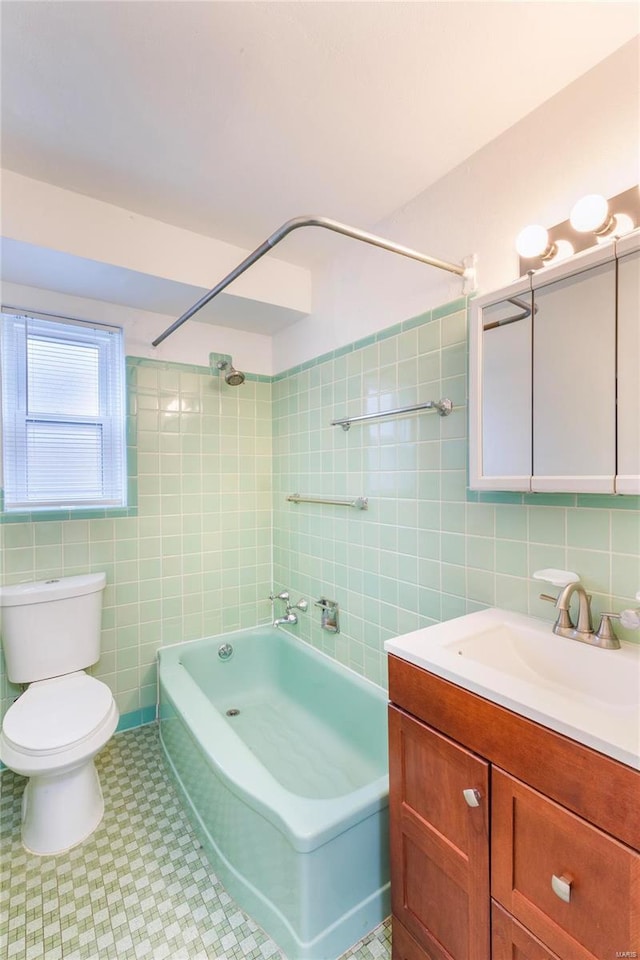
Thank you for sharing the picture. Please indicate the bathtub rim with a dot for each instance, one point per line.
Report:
(307, 823)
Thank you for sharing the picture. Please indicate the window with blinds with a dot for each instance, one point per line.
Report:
(63, 414)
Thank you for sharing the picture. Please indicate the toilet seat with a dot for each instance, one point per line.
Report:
(57, 715)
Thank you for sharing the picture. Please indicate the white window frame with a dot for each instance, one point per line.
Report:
(17, 328)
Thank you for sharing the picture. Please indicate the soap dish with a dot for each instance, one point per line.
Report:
(559, 578)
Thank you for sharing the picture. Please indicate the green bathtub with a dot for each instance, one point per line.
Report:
(281, 755)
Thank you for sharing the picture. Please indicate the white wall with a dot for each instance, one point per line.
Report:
(251, 352)
(585, 139)
(50, 217)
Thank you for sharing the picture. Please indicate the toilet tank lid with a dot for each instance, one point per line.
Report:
(42, 591)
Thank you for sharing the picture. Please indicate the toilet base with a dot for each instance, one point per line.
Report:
(61, 810)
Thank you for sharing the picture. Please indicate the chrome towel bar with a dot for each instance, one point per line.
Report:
(360, 503)
(444, 408)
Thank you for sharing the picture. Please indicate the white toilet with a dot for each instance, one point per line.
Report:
(53, 731)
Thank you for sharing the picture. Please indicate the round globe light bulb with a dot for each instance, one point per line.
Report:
(564, 249)
(533, 241)
(590, 213)
(621, 226)
(624, 224)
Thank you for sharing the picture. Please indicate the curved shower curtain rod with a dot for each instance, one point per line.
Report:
(466, 272)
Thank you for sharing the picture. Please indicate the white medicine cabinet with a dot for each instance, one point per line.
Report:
(554, 398)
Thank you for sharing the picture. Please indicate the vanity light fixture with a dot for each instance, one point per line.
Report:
(594, 219)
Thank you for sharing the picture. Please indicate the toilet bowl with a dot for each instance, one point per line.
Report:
(53, 731)
(51, 734)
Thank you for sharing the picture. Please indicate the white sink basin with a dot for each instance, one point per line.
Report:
(586, 693)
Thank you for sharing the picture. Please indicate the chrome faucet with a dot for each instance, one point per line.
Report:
(564, 627)
(290, 616)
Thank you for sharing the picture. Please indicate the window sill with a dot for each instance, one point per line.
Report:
(63, 513)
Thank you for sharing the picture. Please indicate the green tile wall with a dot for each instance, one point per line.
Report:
(215, 464)
(196, 559)
(427, 549)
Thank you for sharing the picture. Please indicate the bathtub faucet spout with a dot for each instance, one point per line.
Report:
(289, 618)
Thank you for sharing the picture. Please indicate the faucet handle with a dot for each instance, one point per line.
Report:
(302, 605)
(605, 632)
(564, 620)
(279, 596)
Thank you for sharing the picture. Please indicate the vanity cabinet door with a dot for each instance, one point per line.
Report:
(573, 886)
(574, 381)
(628, 478)
(404, 947)
(439, 843)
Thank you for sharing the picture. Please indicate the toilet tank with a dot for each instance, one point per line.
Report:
(51, 627)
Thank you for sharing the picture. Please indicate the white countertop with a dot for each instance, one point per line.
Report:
(586, 693)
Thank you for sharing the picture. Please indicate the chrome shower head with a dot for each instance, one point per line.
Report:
(231, 376)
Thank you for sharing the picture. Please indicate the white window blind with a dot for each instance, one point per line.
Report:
(63, 414)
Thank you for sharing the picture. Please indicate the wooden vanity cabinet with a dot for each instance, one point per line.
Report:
(546, 866)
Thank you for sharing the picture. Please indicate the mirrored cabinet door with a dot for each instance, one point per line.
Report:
(502, 457)
(506, 399)
(574, 378)
(628, 479)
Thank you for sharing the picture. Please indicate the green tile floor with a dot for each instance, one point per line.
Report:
(140, 888)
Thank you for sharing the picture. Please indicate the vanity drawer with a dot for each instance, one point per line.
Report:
(510, 940)
(535, 840)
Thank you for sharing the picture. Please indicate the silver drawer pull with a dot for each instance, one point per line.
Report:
(561, 886)
(472, 796)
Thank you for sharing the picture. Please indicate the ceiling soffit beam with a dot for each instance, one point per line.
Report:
(49, 217)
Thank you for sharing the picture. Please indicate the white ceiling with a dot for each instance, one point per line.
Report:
(228, 118)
